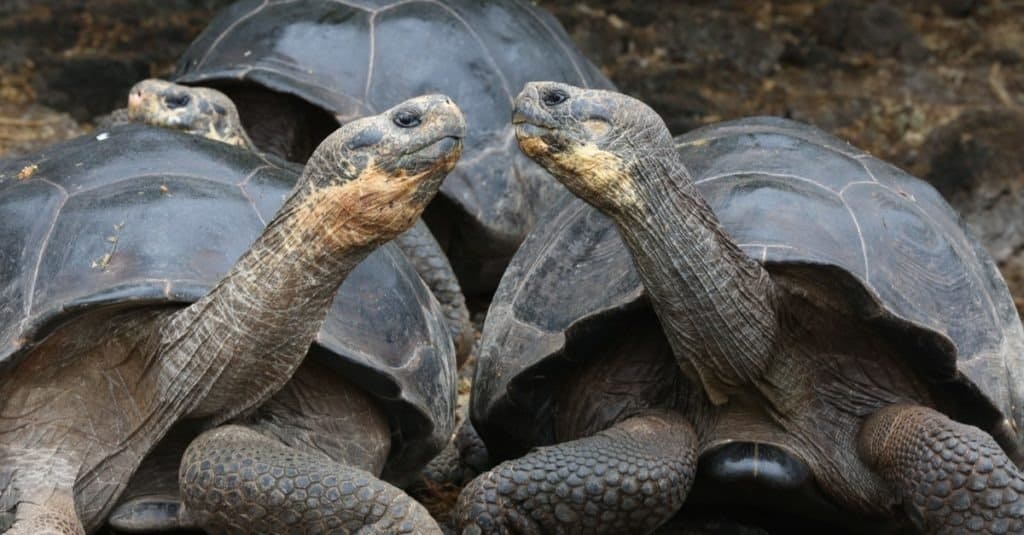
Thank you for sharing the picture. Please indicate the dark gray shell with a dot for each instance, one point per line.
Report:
(793, 197)
(174, 212)
(356, 58)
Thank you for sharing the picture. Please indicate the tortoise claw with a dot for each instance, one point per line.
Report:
(147, 514)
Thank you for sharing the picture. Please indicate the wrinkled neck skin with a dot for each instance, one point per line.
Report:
(715, 304)
(237, 136)
(239, 344)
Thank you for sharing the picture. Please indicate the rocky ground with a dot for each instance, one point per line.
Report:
(64, 62)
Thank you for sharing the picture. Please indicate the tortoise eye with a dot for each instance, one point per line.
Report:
(406, 119)
(176, 101)
(554, 97)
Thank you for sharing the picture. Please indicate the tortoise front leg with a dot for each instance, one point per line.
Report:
(235, 480)
(629, 478)
(461, 460)
(951, 477)
(37, 489)
(52, 516)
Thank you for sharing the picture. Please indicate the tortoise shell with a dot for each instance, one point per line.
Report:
(793, 197)
(355, 58)
(142, 217)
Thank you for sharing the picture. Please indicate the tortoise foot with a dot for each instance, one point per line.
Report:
(629, 478)
(951, 477)
(461, 460)
(472, 451)
(235, 480)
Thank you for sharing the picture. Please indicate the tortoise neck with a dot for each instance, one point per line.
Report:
(253, 329)
(241, 137)
(293, 270)
(715, 304)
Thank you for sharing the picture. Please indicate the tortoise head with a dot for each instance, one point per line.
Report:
(594, 142)
(378, 173)
(200, 111)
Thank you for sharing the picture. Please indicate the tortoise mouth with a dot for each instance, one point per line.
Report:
(439, 148)
(142, 108)
(532, 130)
(436, 157)
(537, 140)
(530, 122)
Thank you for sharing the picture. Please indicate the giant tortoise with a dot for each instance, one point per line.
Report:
(139, 292)
(206, 112)
(296, 68)
(811, 326)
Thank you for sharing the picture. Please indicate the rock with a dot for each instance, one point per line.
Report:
(957, 8)
(879, 29)
(975, 162)
(24, 129)
(88, 86)
(688, 105)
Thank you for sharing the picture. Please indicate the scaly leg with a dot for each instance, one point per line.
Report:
(629, 478)
(36, 492)
(952, 478)
(54, 516)
(235, 480)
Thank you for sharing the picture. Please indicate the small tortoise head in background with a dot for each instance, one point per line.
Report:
(196, 110)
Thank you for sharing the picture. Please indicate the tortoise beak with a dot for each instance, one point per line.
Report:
(524, 104)
(452, 120)
(525, 118)
(527, 109)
